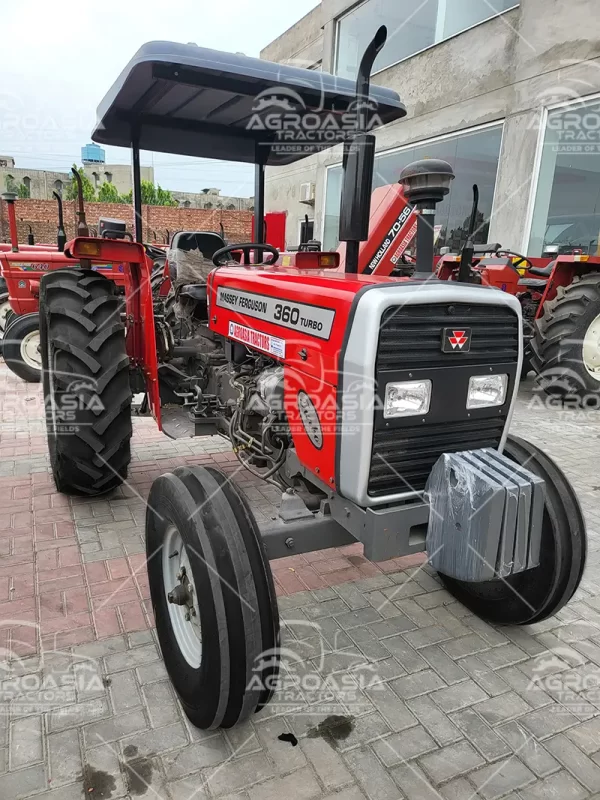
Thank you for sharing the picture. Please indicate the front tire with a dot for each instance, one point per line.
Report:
(216, 541)
(566, 342)
(86, 381)
(537, 593)
(21, 347)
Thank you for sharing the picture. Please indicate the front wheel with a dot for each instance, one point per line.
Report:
(21, 347)
(213, 596)
(537, 593)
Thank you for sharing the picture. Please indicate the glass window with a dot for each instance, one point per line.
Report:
(411, 27)
(566, 217)
(474, 159)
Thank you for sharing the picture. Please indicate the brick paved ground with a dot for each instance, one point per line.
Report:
(435, 703)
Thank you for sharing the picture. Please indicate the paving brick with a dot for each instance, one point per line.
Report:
(404, 746)
(573, 759)
(284, 757)
(438, 724)
(373, 778)
(491, 682)
(414, 783)
(451, 761)
(300, 784)
(132, 658)
(481, 736)
(363, 616)
(391, 708)
(193, 757)
(64, 757)
(547, 721)
(502, 708)
(586, 736)
(408, 658)
(517, 680)
(238, 774)
(327, 763)
(99, 762)
(416, 684)
(78, 714)
(369, 728)
(504, 656)
(459, 696)
(561, 786)
(160, 740)
(450, 671)
(160, 703)
(110, 730)
(497, 780)
(531, 752)
(26, 745)
(14, 785)
(465, 646)
(124, 692)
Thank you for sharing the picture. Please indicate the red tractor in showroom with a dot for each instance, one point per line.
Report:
(380, 406)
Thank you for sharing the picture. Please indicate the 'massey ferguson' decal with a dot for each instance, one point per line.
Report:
(314, 320)
(258, 340)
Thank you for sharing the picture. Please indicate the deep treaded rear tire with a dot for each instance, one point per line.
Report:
(86, 381)
(557, 344)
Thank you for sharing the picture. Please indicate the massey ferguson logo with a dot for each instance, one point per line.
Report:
(458, 340)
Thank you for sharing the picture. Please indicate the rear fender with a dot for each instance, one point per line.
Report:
(565, 269)
(141, 334)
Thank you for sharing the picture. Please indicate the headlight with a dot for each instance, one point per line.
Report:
(486, 391)
(407, 399)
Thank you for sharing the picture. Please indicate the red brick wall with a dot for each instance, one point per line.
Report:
(42, 216)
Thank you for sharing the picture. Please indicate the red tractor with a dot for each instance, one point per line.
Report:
(559, 296)
(380, 406)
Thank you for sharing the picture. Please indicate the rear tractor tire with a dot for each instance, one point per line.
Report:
(86, 381)
(213, 596)
(537, 593)
(566, 343)
(21, 347)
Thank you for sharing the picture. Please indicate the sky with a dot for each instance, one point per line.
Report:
(59, 60)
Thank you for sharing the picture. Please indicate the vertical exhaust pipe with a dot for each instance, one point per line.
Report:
(9, 198)
(61, 236)
(359, 162)
(82, 227)
(30, 236)
(466, 257)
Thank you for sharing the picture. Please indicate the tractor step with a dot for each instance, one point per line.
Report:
(177, 422)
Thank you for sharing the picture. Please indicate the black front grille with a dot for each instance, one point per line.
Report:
(403, 458)
(411, 336)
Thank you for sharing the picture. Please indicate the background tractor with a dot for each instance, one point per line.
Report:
(379, 405)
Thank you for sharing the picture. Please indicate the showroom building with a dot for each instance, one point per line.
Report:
(507, 92)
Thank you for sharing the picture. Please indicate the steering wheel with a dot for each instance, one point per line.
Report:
(219, 259)
(521, 259)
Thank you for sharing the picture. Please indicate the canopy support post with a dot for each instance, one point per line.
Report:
(137, 187)
(259, 197)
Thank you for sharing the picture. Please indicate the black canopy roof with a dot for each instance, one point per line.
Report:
(198, 102)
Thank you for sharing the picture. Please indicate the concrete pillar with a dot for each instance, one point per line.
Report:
(515, 179)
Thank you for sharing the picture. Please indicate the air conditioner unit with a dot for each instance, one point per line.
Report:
(307, 193)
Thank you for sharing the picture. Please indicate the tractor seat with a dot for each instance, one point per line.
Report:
(196, 291)
(532, 283)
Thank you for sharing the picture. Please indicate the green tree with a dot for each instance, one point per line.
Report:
(148, 193)
(23, 191)
(164, 197)
(89, 193)
(108, 193)
(11, 185)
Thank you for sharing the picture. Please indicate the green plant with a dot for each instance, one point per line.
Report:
(23, 191)
(108, 193)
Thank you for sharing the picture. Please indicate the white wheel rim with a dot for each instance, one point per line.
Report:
(4, 311)
(591, 349)
(188, 632)
(30, 350)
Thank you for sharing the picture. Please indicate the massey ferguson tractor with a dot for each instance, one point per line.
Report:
(379, 406)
